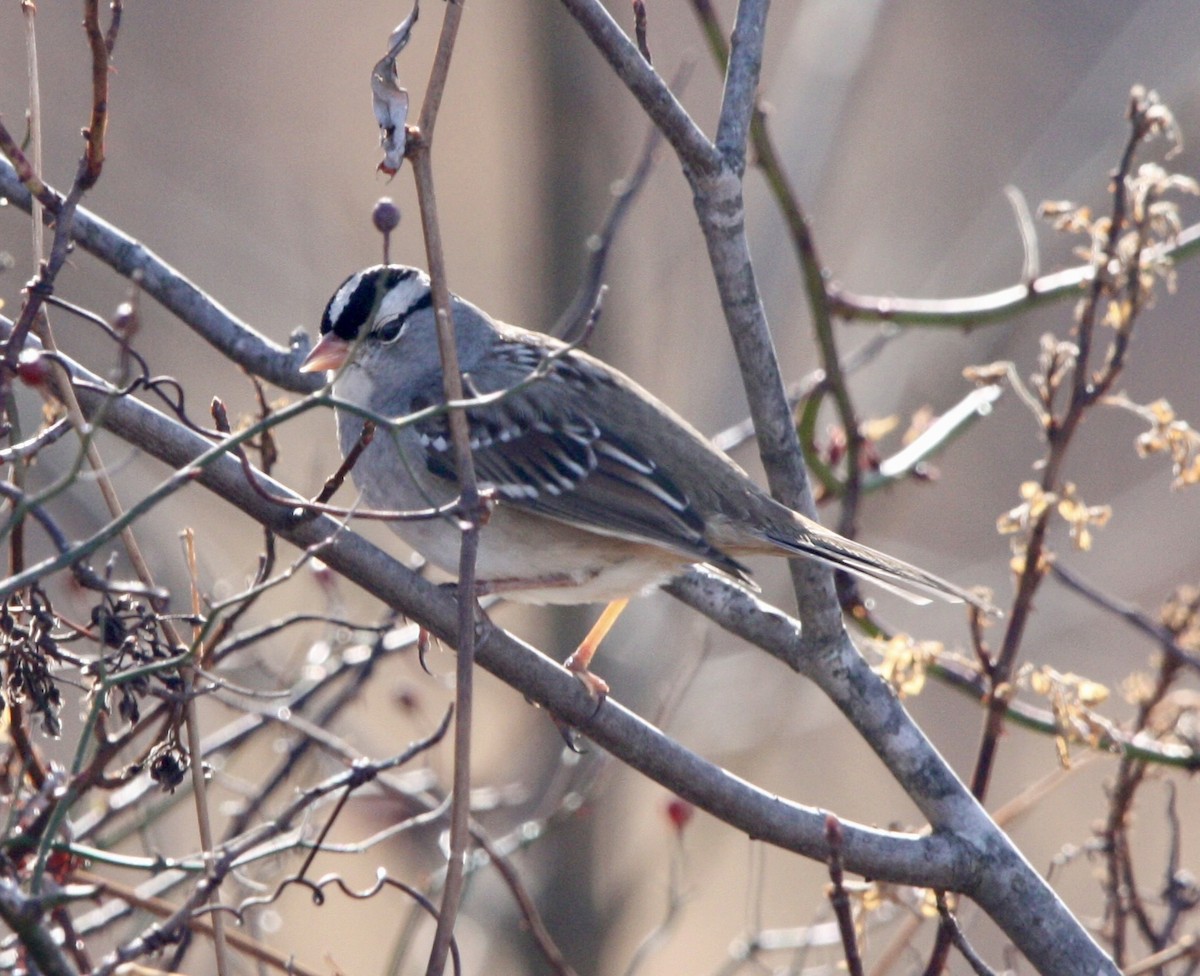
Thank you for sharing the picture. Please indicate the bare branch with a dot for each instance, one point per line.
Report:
(839, 899)
(741, 82)
(474, 506)
(949, 859)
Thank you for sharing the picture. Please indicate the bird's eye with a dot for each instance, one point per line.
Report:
(390, 330)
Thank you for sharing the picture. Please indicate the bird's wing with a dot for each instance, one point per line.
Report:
(544, 445)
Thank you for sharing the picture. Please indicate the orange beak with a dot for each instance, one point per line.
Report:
(328, 354)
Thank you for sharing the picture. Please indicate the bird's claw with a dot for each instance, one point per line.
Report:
(596, 687)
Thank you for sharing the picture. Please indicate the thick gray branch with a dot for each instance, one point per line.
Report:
(1008, 888)
(741, 82)
(898, 857)
(715, 178)
(1003, 882)
(966, 853)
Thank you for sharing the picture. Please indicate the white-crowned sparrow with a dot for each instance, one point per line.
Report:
(602, 491)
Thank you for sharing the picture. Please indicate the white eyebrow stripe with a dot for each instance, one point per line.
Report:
(339, 302)
(397, 301)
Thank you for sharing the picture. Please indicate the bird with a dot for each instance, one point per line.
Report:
(601, 491)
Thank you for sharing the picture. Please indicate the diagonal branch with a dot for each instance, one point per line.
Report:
(742, 71)
(966, 852)
(714, 176)
(816, 288)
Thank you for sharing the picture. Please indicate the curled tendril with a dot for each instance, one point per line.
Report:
(317, 889)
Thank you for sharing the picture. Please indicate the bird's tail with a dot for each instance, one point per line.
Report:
(894, 575)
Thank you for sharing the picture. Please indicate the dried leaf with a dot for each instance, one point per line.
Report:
(389, 100)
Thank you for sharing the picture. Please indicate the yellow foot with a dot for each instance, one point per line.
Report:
(579, 661)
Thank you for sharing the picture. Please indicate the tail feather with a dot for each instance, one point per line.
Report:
(894, 575)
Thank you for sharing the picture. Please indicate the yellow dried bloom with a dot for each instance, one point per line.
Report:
(1167, 435)
(1137, 688)
(1080, 516)
(929, 908)
(1072, 698)
(905, 662)
(878, 428)
(1091, 693)
(1036, 501)
(989, 374)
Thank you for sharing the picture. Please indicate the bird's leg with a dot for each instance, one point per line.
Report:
(578, 662)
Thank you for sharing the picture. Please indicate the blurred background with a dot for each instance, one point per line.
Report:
(243, 151)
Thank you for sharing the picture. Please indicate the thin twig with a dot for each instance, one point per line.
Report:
(1059, 433)
(472, 504)
(234, 339)
(1130, 613)
(639, 28)
(969, 680)
(1002, 305)
(338, 478)
(839, 899)
(198, 774)
(202, 924)
(690, 143)
(525, 902)
(816, 284)
(93, 135)
(231, 854)
(1187, 947)
(950, 924)
(23, 916)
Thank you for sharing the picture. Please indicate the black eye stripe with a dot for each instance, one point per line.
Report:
(358, 308)
(425, 301)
